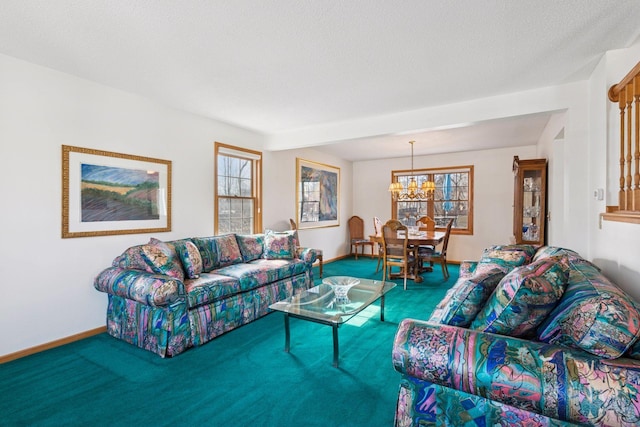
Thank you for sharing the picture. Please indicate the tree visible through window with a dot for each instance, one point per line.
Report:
(237, 199)
(452, 199)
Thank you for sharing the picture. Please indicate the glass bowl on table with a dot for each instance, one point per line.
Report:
(340, 286)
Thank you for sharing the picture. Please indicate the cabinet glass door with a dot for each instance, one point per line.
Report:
(531, 205)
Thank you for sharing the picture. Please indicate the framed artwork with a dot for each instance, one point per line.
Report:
(317, 194)
(106, 193)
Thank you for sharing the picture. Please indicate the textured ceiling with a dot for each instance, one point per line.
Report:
(280, 65)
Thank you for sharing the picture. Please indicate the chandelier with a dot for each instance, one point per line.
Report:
(412, 192)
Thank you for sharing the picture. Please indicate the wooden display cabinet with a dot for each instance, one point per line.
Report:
(530, 201)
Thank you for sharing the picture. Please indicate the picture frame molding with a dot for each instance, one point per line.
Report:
(71, 224)
(324, 168)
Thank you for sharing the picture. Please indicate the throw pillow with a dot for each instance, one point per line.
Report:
(504, 259)
(190, 257)
(464, 300)
(523, 298)
(594, 315)
(251, 246)
(228, 250)
(208, 251)
(162, 259)
(280, 245)
(132, 258)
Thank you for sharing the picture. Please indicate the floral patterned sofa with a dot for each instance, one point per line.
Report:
(525, 337)
(168, 296)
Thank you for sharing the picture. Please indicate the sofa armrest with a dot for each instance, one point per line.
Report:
(467, 268)
(554, 381)
(308, 255)
(150, 289)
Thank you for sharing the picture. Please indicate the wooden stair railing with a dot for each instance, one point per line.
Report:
(627, 95)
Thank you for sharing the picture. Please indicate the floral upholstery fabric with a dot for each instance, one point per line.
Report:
(467, 268)
(190, 257)
(162, 259)
(422, 403)
(594, 315)
(484, 372)
(260, 272)
(162, 330)
(228, 250)
(210, 287)
(504, 259)
(210, 320)
(547, 251)
(280, 245)
(132, 258)
(529, 250)
(208, 252)
(251, 246)
(464, 300)
(524, 297)
(150, 289)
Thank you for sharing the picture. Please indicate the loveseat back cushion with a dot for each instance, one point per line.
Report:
(593, 315)
(251, 246)
(162, 259)
(523, 298)
(547, 251)
(502, 257)
(464, 300)
(190, 257)
(280, 244)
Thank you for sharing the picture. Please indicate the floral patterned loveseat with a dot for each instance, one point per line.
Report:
(525, 337)
(168, 296)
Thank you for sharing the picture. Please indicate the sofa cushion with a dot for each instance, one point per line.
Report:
(280, 244)
(262, 271)
(251, 246)
(464, 300)
(504, 259)
(593, 315)
(210, 287)
(228, 250)
(190, 257)
(523, 298)
(162, 259)
(208, 251)
(547, 251)
(529, 250)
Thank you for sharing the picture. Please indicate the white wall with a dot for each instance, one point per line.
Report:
(615, 246)
(46, 291)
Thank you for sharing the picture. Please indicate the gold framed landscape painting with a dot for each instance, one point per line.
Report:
(317, 194)
(106, 193)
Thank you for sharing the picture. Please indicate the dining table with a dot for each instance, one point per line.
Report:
(415, 239)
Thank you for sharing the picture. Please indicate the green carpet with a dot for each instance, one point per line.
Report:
(243, 378)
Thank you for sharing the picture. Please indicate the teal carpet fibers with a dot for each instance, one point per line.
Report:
(243, 378)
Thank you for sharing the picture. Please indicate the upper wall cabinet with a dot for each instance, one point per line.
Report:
(529, 201)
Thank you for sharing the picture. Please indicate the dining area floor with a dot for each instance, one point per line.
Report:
(365, 268)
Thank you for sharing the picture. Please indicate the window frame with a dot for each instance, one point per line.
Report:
(430, 172)
(221, 149)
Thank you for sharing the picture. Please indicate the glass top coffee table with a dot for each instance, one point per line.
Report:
(336, 300)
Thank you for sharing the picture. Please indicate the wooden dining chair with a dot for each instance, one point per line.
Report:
(377, 226)
(426, 222)
(395, 250)
(434, 256)
(294, 226)
(356, 236)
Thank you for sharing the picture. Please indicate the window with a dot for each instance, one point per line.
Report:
(237, 190)
(452, 199)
